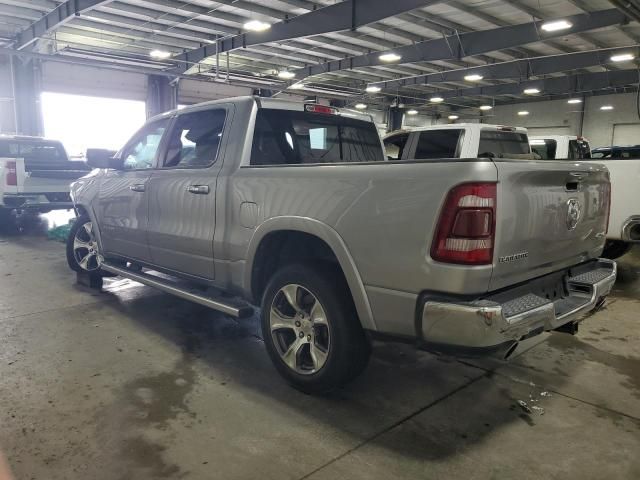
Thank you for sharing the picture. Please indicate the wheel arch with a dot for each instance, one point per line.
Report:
(306, 235)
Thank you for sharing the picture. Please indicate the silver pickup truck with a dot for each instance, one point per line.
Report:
(294, 208)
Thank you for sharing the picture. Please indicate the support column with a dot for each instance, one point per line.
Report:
(162, 95)
(26, 77)
(394, 119)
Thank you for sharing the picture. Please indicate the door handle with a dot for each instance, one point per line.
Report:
(137, 187)
(198, 189)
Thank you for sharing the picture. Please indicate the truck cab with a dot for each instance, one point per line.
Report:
(560, 147)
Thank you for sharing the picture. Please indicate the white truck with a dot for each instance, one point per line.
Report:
(624, 220)
(35, 175)
(458, 140)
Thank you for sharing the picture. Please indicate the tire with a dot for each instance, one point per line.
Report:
(615, 249)
(332, 348)
(76, 252)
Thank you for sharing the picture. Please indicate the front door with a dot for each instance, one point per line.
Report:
(122, 207)
(182, 193)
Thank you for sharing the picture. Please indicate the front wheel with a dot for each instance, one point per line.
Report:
(82, 247)
(311, 329)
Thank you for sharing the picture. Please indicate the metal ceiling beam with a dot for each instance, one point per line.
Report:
(475, 43)
(346, 15)
(583, 82)
(60, 15)
(516, 69)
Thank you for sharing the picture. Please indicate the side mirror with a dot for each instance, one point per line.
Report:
(102, 158)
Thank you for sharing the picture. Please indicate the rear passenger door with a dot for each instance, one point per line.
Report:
(182, 192)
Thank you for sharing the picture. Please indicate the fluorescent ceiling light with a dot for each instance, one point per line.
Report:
(523, 113)
(412, 112)
(372, 89)
(474, 77)
(297, 86)
(485, 107)
(556, 26)
(389, 57)
(361, 106)
(574, 100)
(256, 26)
(531, 91)
(159, 54)
(286, 74)
(606, 107)
(453, 117)
(623, 57)
(436, 99)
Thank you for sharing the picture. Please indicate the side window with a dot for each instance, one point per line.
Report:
(394, 146)
(438, 144)
(142, 149)
(195, 139)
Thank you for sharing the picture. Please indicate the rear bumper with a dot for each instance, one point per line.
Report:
(518, 313)
(38, 201)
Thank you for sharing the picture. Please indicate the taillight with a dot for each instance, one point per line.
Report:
(466, 227)
(608, 197)
(12, 176)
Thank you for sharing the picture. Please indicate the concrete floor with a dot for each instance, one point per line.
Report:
(134, 384)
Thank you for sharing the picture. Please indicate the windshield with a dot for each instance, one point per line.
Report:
(292, 138)
(501, 144)
(36, 150)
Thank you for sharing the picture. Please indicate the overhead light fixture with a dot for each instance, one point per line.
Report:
(531, 91)
(485, 107)
(286, 74)
(453, 117)
(606, 107)
(474, 77)
(361, 106)
(372, 89)
(412, 112)
(256, 26)
(523, 113)
(556, 26)
(297, 86)
(159, 54)
(389, 57)
(623, 57)
(436, 99)
(574, 100)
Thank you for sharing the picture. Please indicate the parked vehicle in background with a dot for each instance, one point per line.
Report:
(631, 151)
(564, 147)
(294, 207)
(624, 221)
(35, 174)
(460, 140)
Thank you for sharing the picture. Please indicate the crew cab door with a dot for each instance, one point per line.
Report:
(182, 193)
(123, 201)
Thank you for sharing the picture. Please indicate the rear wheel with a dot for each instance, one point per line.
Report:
(615, 249)
(82, 247)
(311, 329)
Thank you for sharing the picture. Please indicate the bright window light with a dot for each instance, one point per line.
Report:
(574, 100)
(523, 113)
(389, 57)
(436, 99)
(531, 91)
(556, 26)
(453, 117)
(372, 89)
(286, 74)
(412, 112)
(256, 26)
(537, 142)
(623, 57)
(159, 54)
(485, 107)
(297, 86)
(606, 107)
(474, 77)
(361, 106)
(111, 124)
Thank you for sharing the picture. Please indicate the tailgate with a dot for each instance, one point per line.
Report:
(46, 180)
(550, 215)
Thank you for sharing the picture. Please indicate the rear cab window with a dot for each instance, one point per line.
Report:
(40, 150)
(286, 137)
(433, 144)
(501, 144)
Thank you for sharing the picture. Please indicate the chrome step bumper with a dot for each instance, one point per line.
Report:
(511, 316)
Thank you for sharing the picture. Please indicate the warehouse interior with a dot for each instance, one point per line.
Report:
(133, 383)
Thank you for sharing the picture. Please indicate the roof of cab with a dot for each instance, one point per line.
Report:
(446, 126)
(25, 138)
